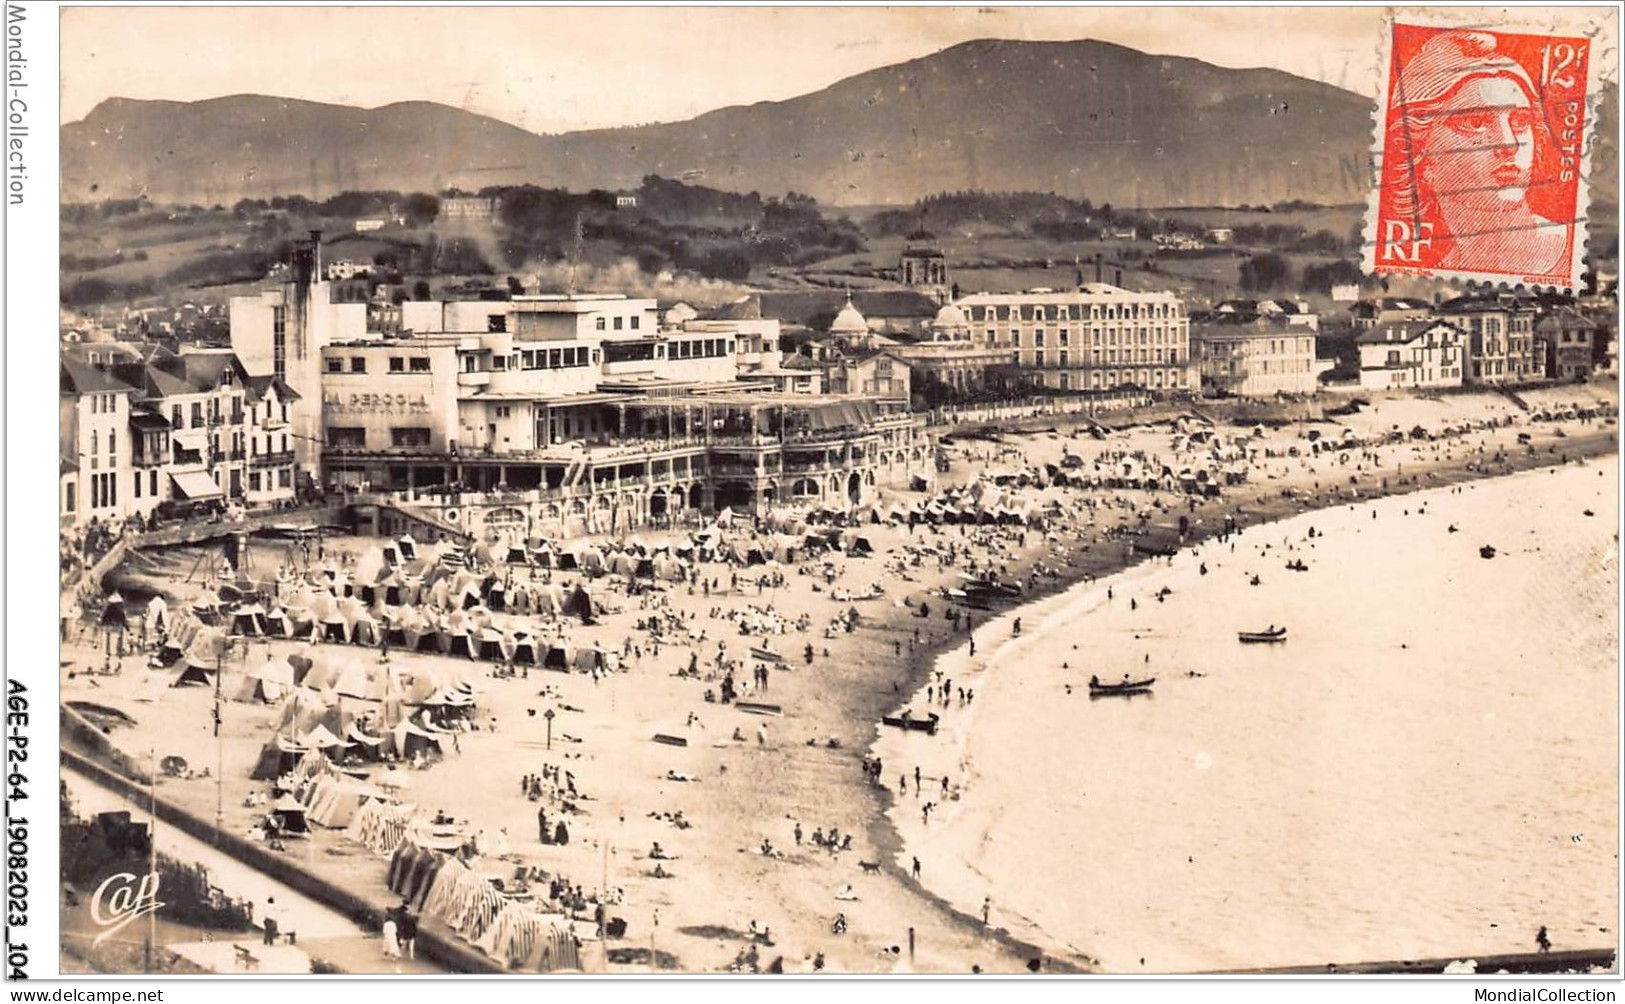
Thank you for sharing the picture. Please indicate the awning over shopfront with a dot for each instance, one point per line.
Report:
(191, 439)
(836, 415)
(196, 485)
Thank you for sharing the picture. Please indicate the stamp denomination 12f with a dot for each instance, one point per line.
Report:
(1482, 143)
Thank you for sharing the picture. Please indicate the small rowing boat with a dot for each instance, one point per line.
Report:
(908, 723)
(1257, 637)
(1128, 688)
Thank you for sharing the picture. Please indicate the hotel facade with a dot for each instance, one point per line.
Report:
(1097, 337)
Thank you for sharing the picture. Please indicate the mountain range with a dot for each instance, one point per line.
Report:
(1083, 119)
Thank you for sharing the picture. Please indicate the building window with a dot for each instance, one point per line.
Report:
(197, 414)
(284, 478)
(420, 364)
(112, 447)
(152, 483)
(409, 436)
(618, 322)
(137, 484)
(70, 500)
(279, 341)
(397, 364)
(112, 489)
(358, 364)
(1038, 337)
(350, 437)
(598, 323)
(253, 481)
(634, 323)
(335, 365)
(496, 323)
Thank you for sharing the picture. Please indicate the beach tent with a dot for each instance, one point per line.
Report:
(278, 624)
(523, 648)
(410, 739)
(157, 616)
(323, 673)
(359, 625)
(558, 656)
(277, 757)
(408, 547)
(330, 624)
(320, 738)
(855, 543)
(334, 802)
(301, 711)
(289, 814)
(590, 559)
(492, 646)
(370, 567)
(580, 604)
(249, 620)
(366, 683)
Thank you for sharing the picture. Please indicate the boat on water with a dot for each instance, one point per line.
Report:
(1127, 688)
(1257, 637)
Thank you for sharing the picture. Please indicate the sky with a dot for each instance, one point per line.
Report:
(559, 69)
(554, 70)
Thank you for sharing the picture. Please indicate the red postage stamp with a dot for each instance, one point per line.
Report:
(1483, 143)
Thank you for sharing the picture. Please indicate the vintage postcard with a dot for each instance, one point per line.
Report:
(894, 492)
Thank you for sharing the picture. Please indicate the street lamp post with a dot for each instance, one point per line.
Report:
(548, 714)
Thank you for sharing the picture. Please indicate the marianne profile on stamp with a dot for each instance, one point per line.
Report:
(1473, 163)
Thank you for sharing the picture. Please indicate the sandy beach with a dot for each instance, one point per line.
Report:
(808, 767)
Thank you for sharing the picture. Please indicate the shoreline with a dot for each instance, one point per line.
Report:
(1254, 509)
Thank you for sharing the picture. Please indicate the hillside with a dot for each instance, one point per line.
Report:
(1082, 119)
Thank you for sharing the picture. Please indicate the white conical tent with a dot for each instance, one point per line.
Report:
(157, 615)
(370, 567)
(367, 683)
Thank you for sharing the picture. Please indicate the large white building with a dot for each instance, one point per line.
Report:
(1096, 337)
(1260, 357)
(565, 403)
(1405, 355)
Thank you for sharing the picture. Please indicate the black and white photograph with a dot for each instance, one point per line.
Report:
(1007, 492)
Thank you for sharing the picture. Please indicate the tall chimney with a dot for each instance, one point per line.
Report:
(316, 252)
(1097, 269)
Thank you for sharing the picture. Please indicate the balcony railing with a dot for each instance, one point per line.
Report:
(277, 459)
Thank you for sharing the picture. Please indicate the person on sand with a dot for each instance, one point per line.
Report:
(987, 909)
(392, 946)
(1542, 940)
(915, 869)
(407, 931)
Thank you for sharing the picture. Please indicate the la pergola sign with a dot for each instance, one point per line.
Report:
(367, 403)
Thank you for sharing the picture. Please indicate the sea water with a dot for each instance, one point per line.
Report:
(1428, 767)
